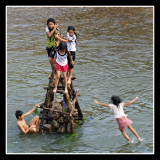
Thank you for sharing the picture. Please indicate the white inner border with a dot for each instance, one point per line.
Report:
(10, 6)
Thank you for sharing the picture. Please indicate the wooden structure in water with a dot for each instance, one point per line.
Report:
(54, 117)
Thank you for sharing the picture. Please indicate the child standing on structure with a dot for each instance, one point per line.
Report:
(61, 65)
(119, 115)
(53, 35)
(71, 46)
(51, 31)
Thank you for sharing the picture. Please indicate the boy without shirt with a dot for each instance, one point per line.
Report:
(21, 123)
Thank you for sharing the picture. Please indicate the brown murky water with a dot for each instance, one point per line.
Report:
(114, 56)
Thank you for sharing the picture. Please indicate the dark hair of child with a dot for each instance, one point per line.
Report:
(18, 113)
(62, 46)
(116, 100)
(71, 28)
(50, 20)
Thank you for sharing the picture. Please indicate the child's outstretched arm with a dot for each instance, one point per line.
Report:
(36, 106)
(102, 104)
(128, 103)
(62, 39)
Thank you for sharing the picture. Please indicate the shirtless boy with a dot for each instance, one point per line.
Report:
(22, 125)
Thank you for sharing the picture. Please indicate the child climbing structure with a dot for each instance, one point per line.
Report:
(55, 117)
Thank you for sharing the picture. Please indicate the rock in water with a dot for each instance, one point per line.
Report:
(61, 129)
(60, 120)
(47, 127)
(55, 124)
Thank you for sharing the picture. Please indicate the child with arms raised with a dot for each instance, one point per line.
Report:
(119, 115)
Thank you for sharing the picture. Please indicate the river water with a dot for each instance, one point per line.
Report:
(114, 57)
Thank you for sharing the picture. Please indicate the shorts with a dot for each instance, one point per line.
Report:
(73, 53)
(51, 51)
(123, 122)
(61, 68)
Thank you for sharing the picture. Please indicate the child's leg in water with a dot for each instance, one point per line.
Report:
(65, 81)
(134, 132)
(56, 81)
(125, 135)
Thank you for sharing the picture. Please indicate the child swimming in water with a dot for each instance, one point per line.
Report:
(21, 123)
(119, 115)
